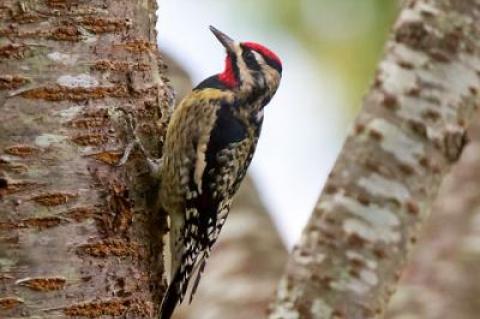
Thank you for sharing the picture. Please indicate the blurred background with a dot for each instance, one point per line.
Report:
(329, 50)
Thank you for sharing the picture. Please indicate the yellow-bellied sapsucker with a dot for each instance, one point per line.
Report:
(208, 147)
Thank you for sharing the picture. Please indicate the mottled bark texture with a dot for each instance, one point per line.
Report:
(407, 136)
(75, 237)
(245, 266)
(443, 278)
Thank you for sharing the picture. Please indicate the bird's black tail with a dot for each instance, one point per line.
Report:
(171, 298)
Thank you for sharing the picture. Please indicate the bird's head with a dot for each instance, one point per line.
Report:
(249, 67)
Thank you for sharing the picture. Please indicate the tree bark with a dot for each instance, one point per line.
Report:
(245, 265)
(407, 136)
(443, 279)
(76, 236)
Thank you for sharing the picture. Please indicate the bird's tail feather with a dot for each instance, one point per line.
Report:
(171, 298)
(197, 274)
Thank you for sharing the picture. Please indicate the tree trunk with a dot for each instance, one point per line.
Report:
(407, 136)
(443, 279)
(76, 237)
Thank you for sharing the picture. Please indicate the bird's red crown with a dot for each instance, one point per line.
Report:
(228, 78)
(263, 50)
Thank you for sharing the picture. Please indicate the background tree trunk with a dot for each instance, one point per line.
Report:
(74, 238)
(443, 278)
(409, 133)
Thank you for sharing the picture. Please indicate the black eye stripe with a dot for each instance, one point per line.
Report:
(235, 66)
(248, 55)
(250, 60)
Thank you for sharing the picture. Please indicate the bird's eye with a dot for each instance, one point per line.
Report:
(249, 57)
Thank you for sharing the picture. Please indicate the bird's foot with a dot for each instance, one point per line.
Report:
(154, 164)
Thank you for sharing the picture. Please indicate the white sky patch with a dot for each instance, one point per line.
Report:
(376, 184)
(397, 143)
(82, 80)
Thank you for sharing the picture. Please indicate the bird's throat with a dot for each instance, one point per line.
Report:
(228, 76)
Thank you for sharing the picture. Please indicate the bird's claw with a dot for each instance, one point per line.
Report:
(154, 165)
(131, 135)
(126, 153)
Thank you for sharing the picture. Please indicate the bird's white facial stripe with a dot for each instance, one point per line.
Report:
(263, 64)
(258, 57)
(246, 78)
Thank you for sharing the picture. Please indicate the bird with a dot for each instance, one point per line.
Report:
(209, 144)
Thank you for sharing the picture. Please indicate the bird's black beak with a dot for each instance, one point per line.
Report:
(224, 39)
